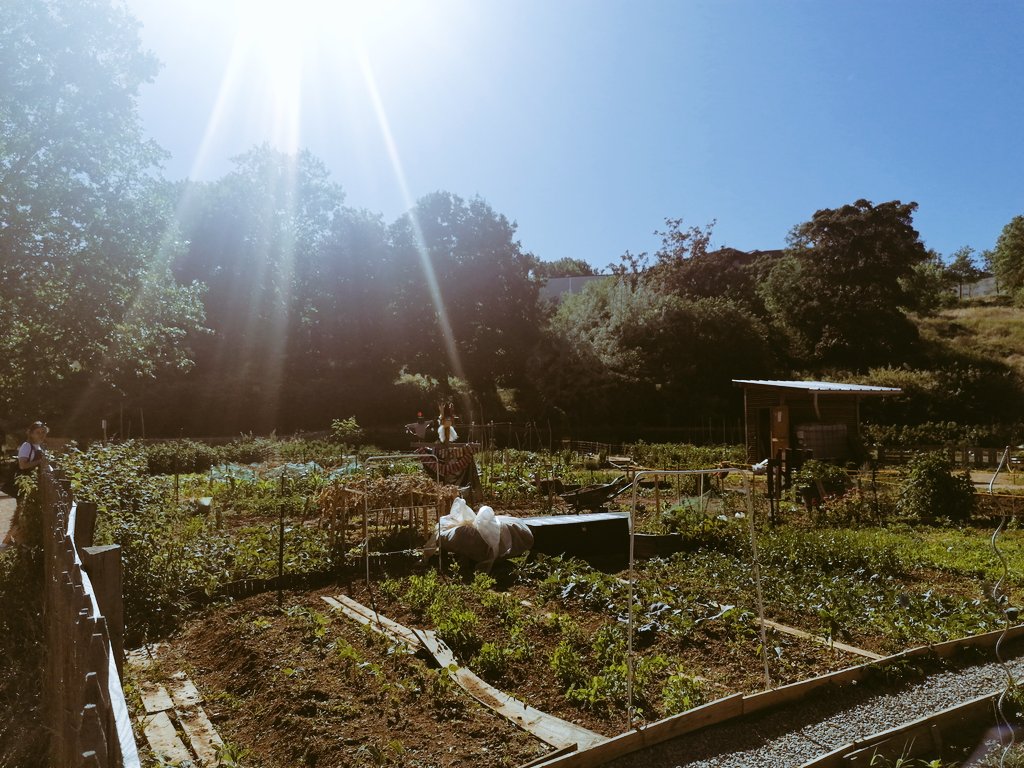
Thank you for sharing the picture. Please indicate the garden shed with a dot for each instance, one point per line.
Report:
(821, 417)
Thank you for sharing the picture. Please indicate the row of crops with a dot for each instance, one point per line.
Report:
(879, 583)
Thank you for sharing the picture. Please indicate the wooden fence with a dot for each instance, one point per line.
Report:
(84, 636)
(959, 456)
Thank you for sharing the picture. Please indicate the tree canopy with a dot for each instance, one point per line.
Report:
(87, 298)
(1007, 257)
(261, 300)
(563, 267)
(962, 269)
(842, 291)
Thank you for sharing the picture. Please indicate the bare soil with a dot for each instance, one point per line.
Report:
(291, 692)
(291, 698)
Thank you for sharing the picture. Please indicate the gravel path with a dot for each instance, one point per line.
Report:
(793, 735)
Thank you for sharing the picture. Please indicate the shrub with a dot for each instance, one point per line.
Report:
(248, 449)
(834, 479)
(346, 431)
(932, 491)
(179, 456)
(682, 692)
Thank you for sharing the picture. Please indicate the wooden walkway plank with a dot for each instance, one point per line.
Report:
(368, 617)
(155, 698)
(201, 734)
(183, 691)
(548, 728)
(142, 658)
(821, 640)
(163, 739)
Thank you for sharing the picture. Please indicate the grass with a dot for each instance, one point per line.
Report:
(985, 327)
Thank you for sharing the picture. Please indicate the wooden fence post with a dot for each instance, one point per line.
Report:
(90, 734)
(85, 524)
(103, 564)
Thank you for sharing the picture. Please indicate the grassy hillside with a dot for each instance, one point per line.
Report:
(988, 326)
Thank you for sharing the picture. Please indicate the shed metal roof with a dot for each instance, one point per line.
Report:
(820, 386)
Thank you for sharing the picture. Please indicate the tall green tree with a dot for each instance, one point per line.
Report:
(87, 299)
(962, 269)
(563, 267)
(644, 355)
(1008, 257)
(465, 300)
(255, 239)
(842, 291)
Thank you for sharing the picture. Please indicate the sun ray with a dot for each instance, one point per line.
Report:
(426, 263)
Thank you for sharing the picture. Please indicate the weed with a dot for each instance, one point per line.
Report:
(229, 755)
(681, 692)
(567, 666)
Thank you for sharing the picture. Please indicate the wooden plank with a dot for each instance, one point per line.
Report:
(986, 640)
(360, 613)
(183, 692)
(797, 691)
(916, 742)
(141, 658)
(201, 734)
(155, 698)
(663, 730)
(103, 564)
(822, 640)
(548, 728)
(163, 739)
(549, 756)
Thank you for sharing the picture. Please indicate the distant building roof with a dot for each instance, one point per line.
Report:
(556, 287)
(820, 386)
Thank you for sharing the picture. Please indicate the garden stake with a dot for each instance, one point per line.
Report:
(757, 579)
(280, 545)
(1009, 616)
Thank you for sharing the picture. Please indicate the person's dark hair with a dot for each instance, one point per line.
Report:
(37, 425)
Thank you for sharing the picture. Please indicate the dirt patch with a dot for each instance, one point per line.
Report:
(299, 687)
(307, 686)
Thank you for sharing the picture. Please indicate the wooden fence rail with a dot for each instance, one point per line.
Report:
(84, 631)
(965, 456)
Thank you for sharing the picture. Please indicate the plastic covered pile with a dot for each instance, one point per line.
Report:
(482, 536)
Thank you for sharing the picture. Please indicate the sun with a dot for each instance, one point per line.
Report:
(301, 49)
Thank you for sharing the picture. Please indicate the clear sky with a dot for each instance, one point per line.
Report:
(590, 121)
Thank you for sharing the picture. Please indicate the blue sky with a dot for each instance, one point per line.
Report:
(589, 122)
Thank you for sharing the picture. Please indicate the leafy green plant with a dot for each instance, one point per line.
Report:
(932, 491)
(491, 661)
(820, 479)
(682, 692)
(346, 431)
(179, 457)
(230, 755)
(567, 665)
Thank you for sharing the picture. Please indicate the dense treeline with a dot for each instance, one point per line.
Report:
(265, 300)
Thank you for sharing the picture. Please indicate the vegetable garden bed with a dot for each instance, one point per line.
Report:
(299, 685)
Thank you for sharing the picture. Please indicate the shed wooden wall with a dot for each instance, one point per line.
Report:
(834, 409)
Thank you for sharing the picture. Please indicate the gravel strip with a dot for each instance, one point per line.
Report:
(795, 734)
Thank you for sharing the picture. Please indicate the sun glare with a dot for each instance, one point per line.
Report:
(304, 47)
(287, 56)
